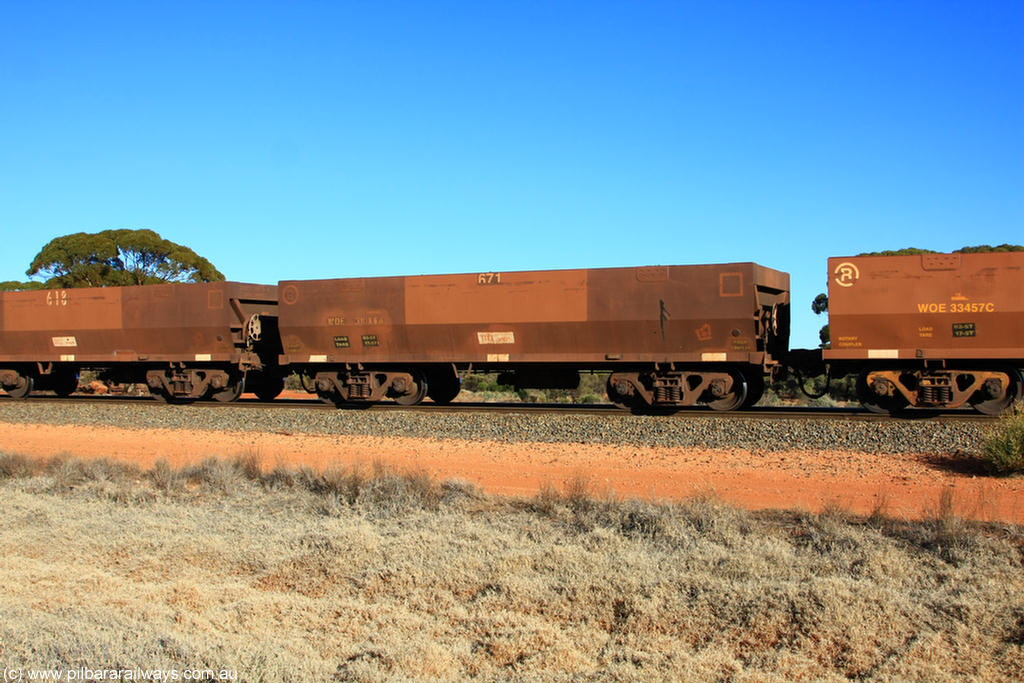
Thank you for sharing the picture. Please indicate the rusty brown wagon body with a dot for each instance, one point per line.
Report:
(671, 335)
(929, 330)
(184, 341)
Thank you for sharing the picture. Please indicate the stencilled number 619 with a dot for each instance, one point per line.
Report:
(57, 297)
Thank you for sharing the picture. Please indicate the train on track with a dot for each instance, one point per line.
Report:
(918, 331)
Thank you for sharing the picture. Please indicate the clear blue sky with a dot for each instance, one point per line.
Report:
(309, 140)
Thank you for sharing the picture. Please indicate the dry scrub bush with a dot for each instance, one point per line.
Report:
(115, 480)
(16, 465)
(164, 477)
(379, 491)
(250, 465)
(390, 494)
(214, 473)
(280, 477)
(949, 535)
(546, 500)
(344, 482)
(578, 494)
(674, 525)
(457, 490)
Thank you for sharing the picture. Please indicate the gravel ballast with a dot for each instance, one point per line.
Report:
(691, 431)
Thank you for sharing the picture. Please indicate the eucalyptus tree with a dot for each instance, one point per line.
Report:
(118, 257)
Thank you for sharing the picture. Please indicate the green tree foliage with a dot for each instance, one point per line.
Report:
(825, 335)
(819, 306)
(15, 286)
(119, 257)
(984, 248)
(908, 251)
(980, 249)
(1003, 450)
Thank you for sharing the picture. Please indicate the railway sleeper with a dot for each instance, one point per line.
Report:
(987, 391)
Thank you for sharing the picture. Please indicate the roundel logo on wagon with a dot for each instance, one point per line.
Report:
(846, 274)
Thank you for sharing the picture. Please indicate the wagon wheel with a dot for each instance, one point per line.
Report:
(230, 393)
(873, 402)
(64, 383)
(415, 393)
(755, 390)
(325, 390)
(443, 389)
(735, 396)
(22, 389)
(268, 388)
(995, 406)
(619, 394)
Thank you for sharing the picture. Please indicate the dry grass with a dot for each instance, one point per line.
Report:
(363, 574)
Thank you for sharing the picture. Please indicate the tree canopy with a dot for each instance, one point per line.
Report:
(115, 258)
(980, 249)
(15, 286)
(985, 248)
(820, 303)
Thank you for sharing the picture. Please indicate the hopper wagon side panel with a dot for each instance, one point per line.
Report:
(61, 324)
(172, 322)
(927, 306)
(641, 315)
(191, 322)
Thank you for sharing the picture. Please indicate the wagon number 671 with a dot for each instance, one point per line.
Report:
(57, 297)
(488, 279)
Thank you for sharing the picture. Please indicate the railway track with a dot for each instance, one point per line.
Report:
(769, 429)
(600, 409)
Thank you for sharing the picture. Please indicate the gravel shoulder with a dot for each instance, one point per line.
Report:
(902, 469)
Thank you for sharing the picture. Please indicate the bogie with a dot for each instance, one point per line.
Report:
(717, 389)
(17, 385)
(989, 391)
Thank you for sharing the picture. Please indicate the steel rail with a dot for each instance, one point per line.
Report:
(602, 409)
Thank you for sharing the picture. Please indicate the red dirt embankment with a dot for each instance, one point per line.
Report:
(896, 485)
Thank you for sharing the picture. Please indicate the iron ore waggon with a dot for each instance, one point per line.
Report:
(918, 331)
(184, 341)
(669, 335)
(929, 330)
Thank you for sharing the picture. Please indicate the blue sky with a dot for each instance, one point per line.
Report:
(332, 139)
